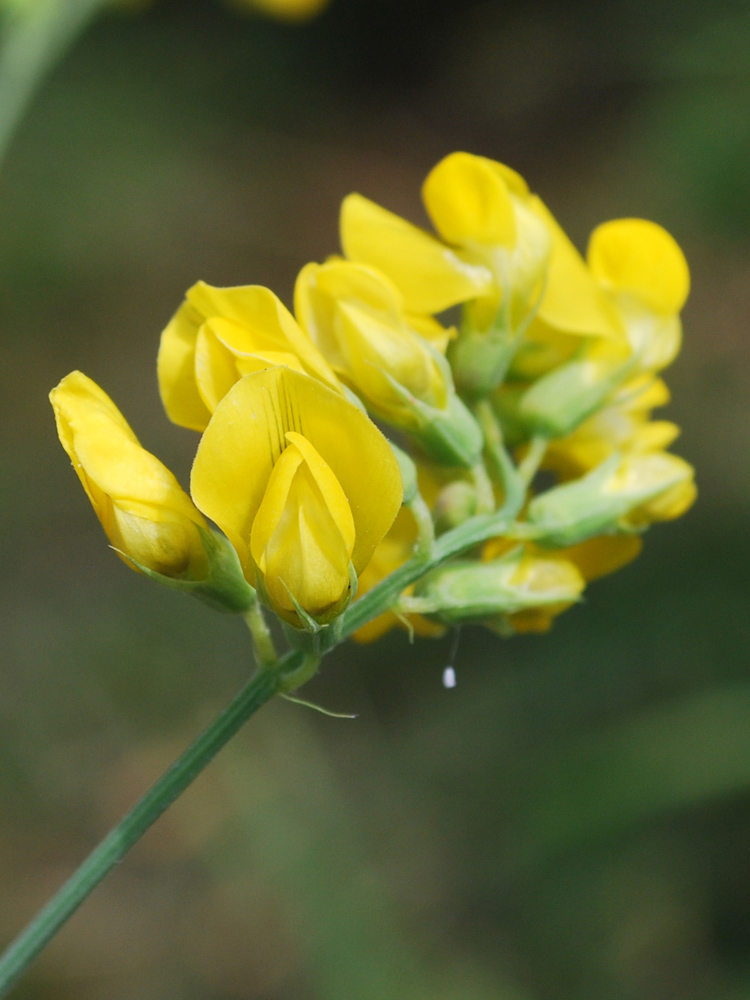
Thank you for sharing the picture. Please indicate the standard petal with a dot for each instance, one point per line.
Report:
(430, 275)
(247, 434)
(641, 258)
(269, 324)
(469, 202)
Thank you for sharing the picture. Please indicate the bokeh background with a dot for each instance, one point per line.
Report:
(572, 822)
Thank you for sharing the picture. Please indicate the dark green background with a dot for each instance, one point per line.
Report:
(572, 822)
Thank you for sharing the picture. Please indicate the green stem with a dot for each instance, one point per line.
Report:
(260, 689)
(263, 646)
(483, 487)
(32, 42)
(425, 527)
(533, 458)
(386, 593)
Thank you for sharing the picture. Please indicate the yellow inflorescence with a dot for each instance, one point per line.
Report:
(555, 365)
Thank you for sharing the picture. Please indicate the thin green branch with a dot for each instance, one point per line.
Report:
(263, 645)
(529, 467)
(260, 689)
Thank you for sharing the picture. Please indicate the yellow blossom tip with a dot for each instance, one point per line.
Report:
(640, 258)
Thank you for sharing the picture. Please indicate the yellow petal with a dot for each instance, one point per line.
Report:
(372, 348)
(303, 534)
(655, 435)
(321, 288)
(572, 302)
(603, 555)
(247, 434)
(330, 489)
(175, 368)
(268, 324)
(215, 368)
(224, 352)
(469, 202)
(641, 258)
(355, 315)
(142, 508)
(430, 275)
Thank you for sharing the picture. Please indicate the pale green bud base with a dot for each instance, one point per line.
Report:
(480, 361)
(450, 436)
(224, 587)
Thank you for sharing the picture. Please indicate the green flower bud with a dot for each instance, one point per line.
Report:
(624, 493)
(557, 403)
(473, 591)
(456, 503)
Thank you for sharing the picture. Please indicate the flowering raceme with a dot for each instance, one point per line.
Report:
(556, 364)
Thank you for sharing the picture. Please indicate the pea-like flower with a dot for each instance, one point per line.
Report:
(303, 484)
(626, 492)
(502, 253)
(355, 315)
(217, 336)
(146, 514)
(493, 591)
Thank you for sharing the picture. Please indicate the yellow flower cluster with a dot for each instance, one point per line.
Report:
(555, 365)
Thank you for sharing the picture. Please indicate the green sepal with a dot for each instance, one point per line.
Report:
(584, 508)
(408, 471)
(559, 402)
(471, 591)
(450, 436)
(480, 359)
(223, 588)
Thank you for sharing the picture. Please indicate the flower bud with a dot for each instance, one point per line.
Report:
(623, 493)
(217, 336)
(150, 521)
(456, 503)
(482, 591)
(558, 402)
(355, 316)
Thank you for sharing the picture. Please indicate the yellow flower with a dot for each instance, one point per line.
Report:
(492, 590)
(220, 334)
(303, 484)
(625, 493)
(355, 316)
(146, 515)
(647, 278)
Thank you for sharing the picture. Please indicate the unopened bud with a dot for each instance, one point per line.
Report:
(624, 493)
(456, 503)
(473, 591)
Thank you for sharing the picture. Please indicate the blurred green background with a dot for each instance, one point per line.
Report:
(572, 822)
